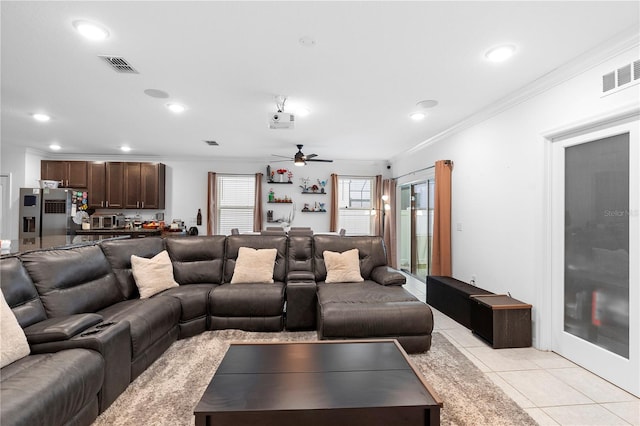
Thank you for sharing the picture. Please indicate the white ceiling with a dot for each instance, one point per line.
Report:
(226, 61)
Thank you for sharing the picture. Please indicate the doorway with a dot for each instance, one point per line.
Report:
(416, 227)
(5, 207)
(595, 244)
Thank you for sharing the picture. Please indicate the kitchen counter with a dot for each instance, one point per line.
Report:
(133, 233)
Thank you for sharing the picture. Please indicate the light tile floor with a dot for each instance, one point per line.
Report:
(552, 389)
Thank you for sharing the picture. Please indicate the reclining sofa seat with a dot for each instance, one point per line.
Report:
(154, 321)
(250, 306)
(197, 267)
(48, 388)
(379, 307)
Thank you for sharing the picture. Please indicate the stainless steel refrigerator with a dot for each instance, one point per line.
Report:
(46, 212)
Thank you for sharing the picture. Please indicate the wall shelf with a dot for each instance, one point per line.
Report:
(314, 193)
(279, 202)
(313, 211)
(280, 183)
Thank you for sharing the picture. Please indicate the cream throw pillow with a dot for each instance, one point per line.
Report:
(254, 266)
(14, 343)
(153, 275)
(342, 267)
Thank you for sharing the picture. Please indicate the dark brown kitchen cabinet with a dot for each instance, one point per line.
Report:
(106, 185)
(70, 174)
(114, 185)
(144, 185)
(97, 185)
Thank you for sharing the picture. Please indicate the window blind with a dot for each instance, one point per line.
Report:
(236, 194)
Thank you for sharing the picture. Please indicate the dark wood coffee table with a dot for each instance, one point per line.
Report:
(318, 383)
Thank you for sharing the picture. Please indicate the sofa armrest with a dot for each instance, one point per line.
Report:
(301, 305)
(301, 276)
(60, 328)
(386, 275)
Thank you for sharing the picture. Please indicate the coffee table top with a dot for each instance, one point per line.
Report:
(315, 375)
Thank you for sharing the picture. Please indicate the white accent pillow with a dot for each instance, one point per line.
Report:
(254, 266)
(153, 275)
(342, 267)
(14, 342)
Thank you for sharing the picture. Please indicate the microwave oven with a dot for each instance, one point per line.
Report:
(104, 221)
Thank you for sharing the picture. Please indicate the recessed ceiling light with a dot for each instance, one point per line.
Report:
(91, 31)
(417, 115)
(55, 147)
(500, 53)
(177, 108)
(41, 117)
(125, 148)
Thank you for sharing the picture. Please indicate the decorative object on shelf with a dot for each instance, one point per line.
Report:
(305, 185)
(314, 188)
(281, 173)
(274, 199)
(269, 174)
(322, 184)
(269, 215)
(317, 208)
(289, 175)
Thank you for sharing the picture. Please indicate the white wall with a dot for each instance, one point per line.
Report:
(186, 182)
(498, 182)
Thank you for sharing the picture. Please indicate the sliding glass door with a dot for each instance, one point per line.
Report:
(416, 227)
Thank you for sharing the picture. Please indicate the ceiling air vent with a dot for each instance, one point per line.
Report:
(621, 78)
(119, 64)
(212, 143)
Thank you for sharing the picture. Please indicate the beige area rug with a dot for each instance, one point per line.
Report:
(168, 391)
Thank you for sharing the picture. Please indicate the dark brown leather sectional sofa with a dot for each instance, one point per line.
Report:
(91, 335)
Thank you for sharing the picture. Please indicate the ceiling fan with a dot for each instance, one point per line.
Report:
(300, 159)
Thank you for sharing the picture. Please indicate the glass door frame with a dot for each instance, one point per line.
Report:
(623, 372)
(413, 244)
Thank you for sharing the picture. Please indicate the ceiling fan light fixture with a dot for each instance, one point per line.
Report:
(299, 161)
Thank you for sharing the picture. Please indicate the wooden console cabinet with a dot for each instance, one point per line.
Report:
(451, 297)
(501, 320)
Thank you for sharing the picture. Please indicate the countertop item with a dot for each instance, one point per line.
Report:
(130, 232)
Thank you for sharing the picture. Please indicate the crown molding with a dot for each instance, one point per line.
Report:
(624, 41)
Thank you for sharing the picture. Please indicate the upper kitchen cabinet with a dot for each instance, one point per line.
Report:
(144, 186)
(106, 181)
(70, 174)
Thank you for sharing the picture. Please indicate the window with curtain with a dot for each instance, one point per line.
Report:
(355, 201)
(236, 197)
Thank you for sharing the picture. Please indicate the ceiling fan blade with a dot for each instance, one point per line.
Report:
(279, 161)
(307, 157)
(281, 156)
(321, 161)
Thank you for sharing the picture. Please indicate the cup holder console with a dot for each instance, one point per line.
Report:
(98, 328)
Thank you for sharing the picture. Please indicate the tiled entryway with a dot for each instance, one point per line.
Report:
(552, 389)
